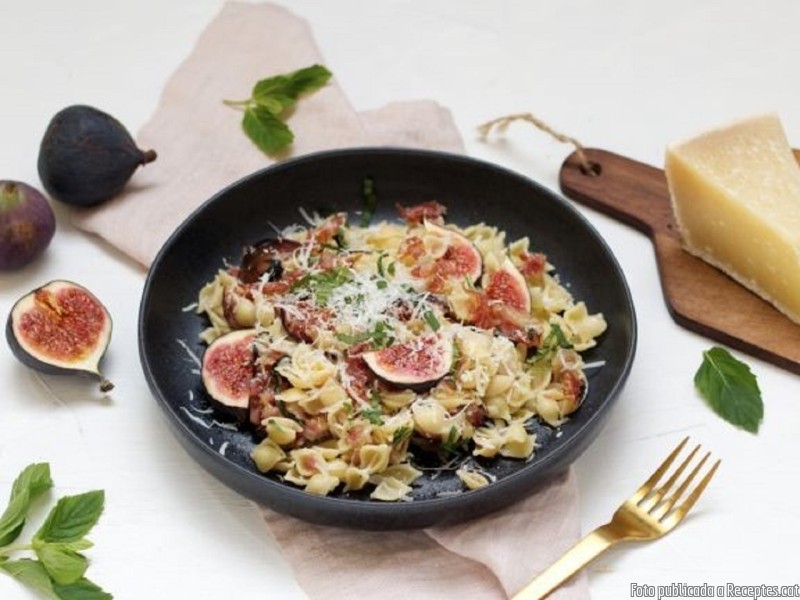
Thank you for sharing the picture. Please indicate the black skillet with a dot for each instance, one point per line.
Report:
(473, 191)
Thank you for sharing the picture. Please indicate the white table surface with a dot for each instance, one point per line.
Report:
(624, 75)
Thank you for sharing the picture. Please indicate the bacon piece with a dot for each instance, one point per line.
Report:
(503, 319)
(359, 378)
(425, 211)
(411, 250)
(327, 230)
(533, 266)
(476, 415)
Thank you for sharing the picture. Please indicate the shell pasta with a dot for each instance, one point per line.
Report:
(366, 347)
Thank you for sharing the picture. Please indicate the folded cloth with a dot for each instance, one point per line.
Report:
(201, 150)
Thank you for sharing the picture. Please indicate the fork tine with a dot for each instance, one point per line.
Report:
(665, 506)
(658, 474)
(649, 502)
(680, 512)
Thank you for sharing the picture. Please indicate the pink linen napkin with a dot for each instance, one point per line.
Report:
(201, 150)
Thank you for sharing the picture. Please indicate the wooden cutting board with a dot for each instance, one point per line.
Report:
(698, 296)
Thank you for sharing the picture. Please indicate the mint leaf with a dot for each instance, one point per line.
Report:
(62, 563)
(72, 517)
(286, 89)
(32, 574)
(373, 413)
(266, 130)
(269, 102)
(31, 483)
(730, 389)
(83, 589)
(323, 284)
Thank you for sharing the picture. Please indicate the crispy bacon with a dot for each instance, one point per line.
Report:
(425, 211)
(533, 266)
(325, 232)
(411, 250)
(476, 415)
(572, 386)
(505, 320)
(359, 378)
(262, 403)
(273, 288)
(315, 429)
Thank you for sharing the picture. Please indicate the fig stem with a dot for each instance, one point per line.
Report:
(106, 385)
(10, 195)
(148, 156)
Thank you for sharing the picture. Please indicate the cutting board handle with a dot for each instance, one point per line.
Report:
(627, 190)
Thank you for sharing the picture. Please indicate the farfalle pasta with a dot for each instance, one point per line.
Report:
(367, 346)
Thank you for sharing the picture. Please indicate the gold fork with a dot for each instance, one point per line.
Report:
(647, 515)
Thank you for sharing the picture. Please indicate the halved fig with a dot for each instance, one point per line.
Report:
(417, 364)
(228, 370)
(60, 328)
(508, 286)
(266, 257)
(460, 259)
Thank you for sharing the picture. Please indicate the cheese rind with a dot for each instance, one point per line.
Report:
(736, 197)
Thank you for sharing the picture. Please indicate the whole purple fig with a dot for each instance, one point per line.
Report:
(86, 156)
(27, 224)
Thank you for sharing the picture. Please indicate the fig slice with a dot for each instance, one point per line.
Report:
(60, 328)
(228, 372)
(461, 259)
(417, 364)
(508, 286)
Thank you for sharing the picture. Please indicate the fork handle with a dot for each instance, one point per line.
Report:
(577, 557)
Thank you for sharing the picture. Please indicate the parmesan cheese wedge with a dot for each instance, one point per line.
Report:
(736, 197)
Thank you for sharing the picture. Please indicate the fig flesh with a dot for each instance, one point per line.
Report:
(417, 364)
(86, 156)
(508, 286)
(27, 224)
(60, 328)
(228, 371)
(460, 260)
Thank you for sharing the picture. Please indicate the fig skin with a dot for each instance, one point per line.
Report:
(433, 355)
(86, 156)
(228, 369)
(40, 359)
(27, 224)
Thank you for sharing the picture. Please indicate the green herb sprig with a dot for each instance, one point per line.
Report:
(323, 284)
(453, 444)
(551, 343)
(730, 389)
(374, 412)
(401, 434)
(380, 336)
(270, 103)
(58, 571)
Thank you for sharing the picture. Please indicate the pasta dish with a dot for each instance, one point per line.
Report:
(350, 348)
